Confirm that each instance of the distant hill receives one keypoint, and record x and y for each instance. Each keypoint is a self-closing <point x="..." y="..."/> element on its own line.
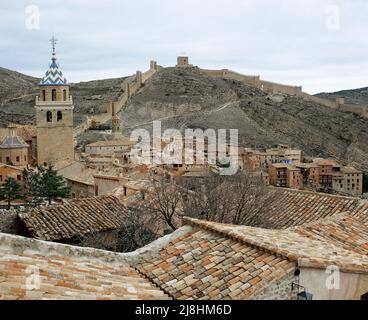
<point x="356" y="96"/>
<point x="18" y="93"/>
<point x="14" y="84"/>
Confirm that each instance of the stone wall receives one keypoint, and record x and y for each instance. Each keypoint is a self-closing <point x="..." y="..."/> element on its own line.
<point x="280" y="290"/>
<point x="273" y="87"/>
<point x="228" y="74"/>
<point x="131" y="85"/>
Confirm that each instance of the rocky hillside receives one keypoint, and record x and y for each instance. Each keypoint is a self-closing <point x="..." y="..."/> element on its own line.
<point x="185" y="98"/>
<point x="18" y="93"/>
<point x="357" y="96"/>
<point x="14" y="84"/>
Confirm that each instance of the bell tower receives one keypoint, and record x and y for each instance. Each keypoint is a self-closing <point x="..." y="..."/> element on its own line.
<point x="54" y="116"/>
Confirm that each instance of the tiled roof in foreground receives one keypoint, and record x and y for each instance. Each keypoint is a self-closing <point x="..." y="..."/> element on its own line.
<point x="202" y="260"/>
<point x="217" y="261"/>
<point x="74" y="218"/>
<point x="205" y="265"/>
<point x="285" y="208"/>
<point x="67" y="273"/>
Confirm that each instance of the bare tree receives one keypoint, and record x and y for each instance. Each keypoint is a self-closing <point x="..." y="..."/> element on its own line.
<point x="137" y="230"/>
<point x="226" y="199"/>
<point x="164" y="201"/>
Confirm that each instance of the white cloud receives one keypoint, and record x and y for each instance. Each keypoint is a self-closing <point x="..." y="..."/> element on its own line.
<point x="285" y="40"/>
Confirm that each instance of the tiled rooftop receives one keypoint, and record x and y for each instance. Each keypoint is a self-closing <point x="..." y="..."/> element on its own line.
<point x="202" y="260"/>
<point x="284" y="208"/>
<point x="205" y="265"/>
<point x="299" y="246"/>
<point x="217" y="261"/>
<point x="67" y="273"/>
<point x="342" y="230"/>
<point x="74" y="218"/>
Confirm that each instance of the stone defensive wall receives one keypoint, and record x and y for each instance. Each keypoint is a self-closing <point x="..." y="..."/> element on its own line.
<point x="339" y="104"/>
<point x="133" y="83"/>
<point x="255" y="81"/>
<point x="130" y="85"/>
<point x="274" y="88"/>
<point x="228" y="74"/>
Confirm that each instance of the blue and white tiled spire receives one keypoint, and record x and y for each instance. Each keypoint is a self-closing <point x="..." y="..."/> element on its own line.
<point x="54" y="75"/>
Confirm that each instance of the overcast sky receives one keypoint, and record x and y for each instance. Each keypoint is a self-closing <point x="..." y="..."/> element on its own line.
<point x="320" y="44"/>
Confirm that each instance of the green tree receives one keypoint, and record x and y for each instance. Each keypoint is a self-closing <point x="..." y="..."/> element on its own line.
<point x="10" y="190"/>
<point x="53" y="186"/>
<point x="32" y="184"/>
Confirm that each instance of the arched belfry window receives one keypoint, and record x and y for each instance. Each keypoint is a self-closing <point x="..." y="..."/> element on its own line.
<point x="43" y="95"/>
<point x="64" y="95"/>
<point x="53" y="95"/>
<point x="49" y="116"/>
<point x="59" y="116"/>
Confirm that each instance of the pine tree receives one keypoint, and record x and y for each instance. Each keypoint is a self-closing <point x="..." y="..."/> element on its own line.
<point x="32" y="183"/>
<point x="53" y="186"/>
<point x="10" y="190"/>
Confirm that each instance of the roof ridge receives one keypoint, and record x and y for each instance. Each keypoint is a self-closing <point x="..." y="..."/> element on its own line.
<point x="298" y="257"/>
<point x="212" y="226"/>
<point x="315" y="193"/>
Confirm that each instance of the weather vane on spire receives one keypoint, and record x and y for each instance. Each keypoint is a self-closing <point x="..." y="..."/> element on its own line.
<point x="53" y="41"/>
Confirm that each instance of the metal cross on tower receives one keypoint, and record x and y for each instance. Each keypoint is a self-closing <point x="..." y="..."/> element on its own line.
<point x="53" y="41"/>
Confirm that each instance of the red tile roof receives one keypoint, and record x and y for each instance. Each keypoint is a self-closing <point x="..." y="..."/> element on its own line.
<point x="67" y="273"/>
<point x="285" y="208"/>
<point x="74" y="218"/>
<point x="217" y="261"/>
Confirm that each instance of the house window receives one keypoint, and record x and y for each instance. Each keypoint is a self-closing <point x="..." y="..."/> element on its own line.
<point x="59" y="116"/>
<point x="43" y="95"/>
<point x="49" y="116"/>
<point x="53" y="95"/>
<point x="7" y="160"/>
<point x="17" y="158"/>
<point x="64" y="95"/>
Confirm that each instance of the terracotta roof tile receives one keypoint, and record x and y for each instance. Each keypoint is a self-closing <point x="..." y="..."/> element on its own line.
<point x="205" y="265"/>
<point x="67" y="273"/>
<point x="74" y="218"/>
<point x="285" y="208"/>
<point x="320" y="244"/>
